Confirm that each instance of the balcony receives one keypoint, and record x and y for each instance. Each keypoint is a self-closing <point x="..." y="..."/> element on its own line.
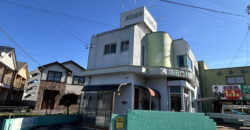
<point x="6" y="80"/>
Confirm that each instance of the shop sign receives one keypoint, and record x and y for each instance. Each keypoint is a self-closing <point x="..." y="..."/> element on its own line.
<point x="232" y="92"/>
<point x="177" y="73"/>
<point x="245" y="90"/>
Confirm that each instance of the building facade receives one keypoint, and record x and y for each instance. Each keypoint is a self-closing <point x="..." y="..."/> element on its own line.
<point x="49" y="82"/>
<point x="13" y="76"/>
<point x="31" y="89"/>
<point x="224" y="87"/>
<point x="136" y="67"/>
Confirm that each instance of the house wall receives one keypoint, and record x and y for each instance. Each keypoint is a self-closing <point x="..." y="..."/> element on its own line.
<point x="8" y="60"/>
<point x="76" y="71"/>
<point x="54" y="68"/>
<point x="23" y="72"/>
<point x="47" y="85"/>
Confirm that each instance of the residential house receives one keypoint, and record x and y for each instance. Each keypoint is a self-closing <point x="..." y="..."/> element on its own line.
<point x="13" y="76"/>
<point x="49" y="82"/>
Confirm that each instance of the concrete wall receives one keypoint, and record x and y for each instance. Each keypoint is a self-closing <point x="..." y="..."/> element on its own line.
<point x="97" y="58"/>
<point x="160" y="84"/>
<point x="139" y="40"/>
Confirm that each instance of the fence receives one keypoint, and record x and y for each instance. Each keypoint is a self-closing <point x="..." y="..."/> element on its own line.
<point x="32" y="122"/>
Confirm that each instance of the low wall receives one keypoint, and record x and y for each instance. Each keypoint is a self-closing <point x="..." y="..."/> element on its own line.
<point x="161" y="120"/>
<point x="31" y="122"/>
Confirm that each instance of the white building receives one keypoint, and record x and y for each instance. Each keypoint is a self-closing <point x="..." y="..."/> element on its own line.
<point x="134" y="65"/>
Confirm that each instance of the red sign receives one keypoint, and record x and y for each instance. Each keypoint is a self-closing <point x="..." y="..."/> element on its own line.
<point x="232" y="94"/>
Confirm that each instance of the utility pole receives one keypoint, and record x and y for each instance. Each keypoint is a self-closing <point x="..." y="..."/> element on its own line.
<point x="248" y="12"/>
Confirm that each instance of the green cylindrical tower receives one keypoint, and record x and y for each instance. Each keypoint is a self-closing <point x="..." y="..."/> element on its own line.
<point x="158" y="49"/>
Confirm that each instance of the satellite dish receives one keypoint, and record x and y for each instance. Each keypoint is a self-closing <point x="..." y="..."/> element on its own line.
<point x="3" y="54"/>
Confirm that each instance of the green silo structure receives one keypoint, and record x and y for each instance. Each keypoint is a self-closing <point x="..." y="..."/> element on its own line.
<point x="158" y="49"/>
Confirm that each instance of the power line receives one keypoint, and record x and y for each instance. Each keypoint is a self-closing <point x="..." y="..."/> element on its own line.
<point x="197" y="7"/>
<point x="220" y="18"/>
<point x="244" y="38"/>
<point x="79" y="37"/>
<point x="19" y="46"/>
<point x="57" y="13"/>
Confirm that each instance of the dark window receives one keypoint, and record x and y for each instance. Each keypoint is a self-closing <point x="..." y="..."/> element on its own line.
<point x="196" y="73"/>
<point x="107" y="49"/>
<point x="235" y="80"/>
<point x="124" y="46"/>
<point x="36" y="74"/>
<point x="184" y="61"/>
<point x="110" y="48"/>
<point x="189" y="63"/>
<point x="142" y="55"/>
<point x="180" y="61"/>
<point x="175" y="89"/>
<point x="77" y="80"/>
<point x="54" y="76"/>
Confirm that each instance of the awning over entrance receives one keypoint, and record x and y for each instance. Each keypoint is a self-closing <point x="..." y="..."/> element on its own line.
<point x="106" y="87"/>
<point x="152" y="92"/>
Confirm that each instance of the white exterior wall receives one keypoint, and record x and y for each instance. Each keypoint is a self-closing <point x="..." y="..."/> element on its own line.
<point x="54" y="68"/>
<point x="140" y="31"/>
<point x="76" y="71"/>
<point x="8" y="60"/>
<point x="97" y="59"/>
<point x="182" y="48"/>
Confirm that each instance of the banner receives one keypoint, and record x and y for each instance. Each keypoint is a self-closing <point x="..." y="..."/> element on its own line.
<point x="245" y="90"/>
<point x="232" y="92"/>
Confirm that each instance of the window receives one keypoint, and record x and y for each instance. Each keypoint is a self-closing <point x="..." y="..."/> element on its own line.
<point x="142" y="55"/>
<point x="124" y="46"/>
<point x="184" y="61"/>
<point x="54" y="76"/>
<point x="175" y="89"/>
<point x="36" y="74"/>
<point x="235" y="79"/>
<point x="77" y="80"/>
<point x="180" y="61"/>
<point x="189" y="63"/>
<point x="110" y="48"/>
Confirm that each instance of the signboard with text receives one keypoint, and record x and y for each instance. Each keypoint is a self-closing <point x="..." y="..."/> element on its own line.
<point x="232" y="92"/>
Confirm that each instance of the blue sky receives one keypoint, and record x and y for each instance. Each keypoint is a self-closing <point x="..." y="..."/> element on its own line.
<point x="47" y="37"/>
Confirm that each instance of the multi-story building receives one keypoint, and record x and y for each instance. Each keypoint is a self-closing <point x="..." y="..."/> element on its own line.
<point x="13" y="76"/>
<point x="49" y="82"/>
<point x="136" y="67"/>
<point x="224" y="88"/>
<point x="31" y="89"/>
